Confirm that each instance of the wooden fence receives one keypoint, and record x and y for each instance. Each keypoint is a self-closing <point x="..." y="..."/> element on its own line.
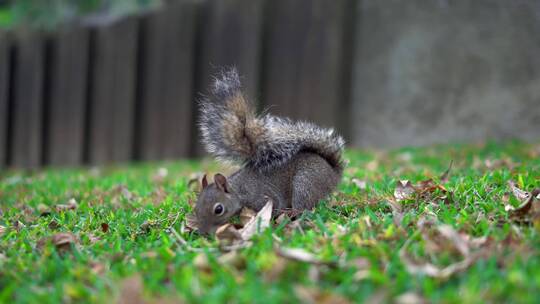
<point x="116" y="90"/>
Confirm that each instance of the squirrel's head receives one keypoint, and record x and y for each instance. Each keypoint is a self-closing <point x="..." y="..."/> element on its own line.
<point x="216" y="204"/>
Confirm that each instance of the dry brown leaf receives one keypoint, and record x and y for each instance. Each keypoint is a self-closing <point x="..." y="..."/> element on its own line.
<point x="131" y="291"/>
<point x="372" y="165"/>
<point x="461" y="243"/>
<point x="63" y="241"/>
<point x="43" y="210"/>
<point x="397" y="211"/>
<point x="18" y="225"/>
<point x="282" y="218"/>
<point x="431" y="270"/>
<point x="275" y="272"/>
<point x="92" y="238"/>
<point x="404" y="190"/>
<point x="53" y="225"/>
<point x="521" y="195"/>
<point x="229" y="233"/>
<point x="362" y="266"/>
<point x="300" y="255"/>
<point x="527" y="206"/>
<point x="233" y="259"/>
<point x="104" y="227"/>
<point x="70" y="205"/>
<point x="97" y="268"/>
<point x="149" y="255"/>
<point x="527" y="199"/>
<point x="158" y="196"/>
<point x="258" y="223"/>
<point x="246" y="215"/>
<point x="361" y="184"/>
<point x="410" y="298"/>
<point x="2" y="230"/>
<point x="457" y="239"/>
<point x="201" y="262"/>
<point x="315" y="295"/>
<point x="160" y="175"/>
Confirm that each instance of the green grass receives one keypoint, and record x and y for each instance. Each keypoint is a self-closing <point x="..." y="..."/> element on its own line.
<point x="142" y="211"/>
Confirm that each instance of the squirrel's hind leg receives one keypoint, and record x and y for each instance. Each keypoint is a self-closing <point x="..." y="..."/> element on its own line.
<point x="313" y="180"/>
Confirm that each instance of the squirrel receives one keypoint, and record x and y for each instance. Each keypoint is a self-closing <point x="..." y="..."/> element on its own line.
<point x="295" y="164"/>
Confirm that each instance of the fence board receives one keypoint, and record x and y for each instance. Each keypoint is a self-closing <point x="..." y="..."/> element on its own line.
<point x="5" y="65"/>
<point x="303" y="70"/>
<point x="166" y="82"/>
<point x="231" y="36"/>
<point x="67" y="96"/>
<point x="26" y="145"/>
<point x="112" y="97"/>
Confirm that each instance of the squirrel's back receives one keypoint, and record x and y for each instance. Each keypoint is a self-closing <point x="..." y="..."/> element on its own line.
<point x="232" y="131"/>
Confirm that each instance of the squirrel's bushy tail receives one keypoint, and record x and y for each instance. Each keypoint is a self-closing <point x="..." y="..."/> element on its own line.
<point x="232" y="131"/>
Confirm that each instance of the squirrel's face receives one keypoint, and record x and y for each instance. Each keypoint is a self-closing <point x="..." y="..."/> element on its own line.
<point x="216" y="204"/>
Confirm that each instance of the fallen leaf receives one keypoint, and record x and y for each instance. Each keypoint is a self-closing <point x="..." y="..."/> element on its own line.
<point x="233" y="259"/>
<point x="131" y="291"/>
<point x="410" y="298"/>
<point x="258" y="223"/>
<point x="275" y="272"/>
<point x="105" y="227"/>
<point x="160" y="175"/>
<point x="158" y="196"/>
<point x="397" y="211"/>
<point x="433" y="271"/>
<point x="361" y="184"/>
<point x="315" y="295"/>
<point x="380" y="296"/>
<point x="201" y="262"/>
<point x="372" y="165"/>
<point x="18" y="225"/>
<point x="282" y="218"/>
<point x="97" y="268"/>
<point x="63" y="241"/>
<point x="299" y="255"/>
<point x="446" y="236"/>
<point x="126" y="193"/>
<point x="246" y="215"/>
<point x="521" y="195"/>
<point x="2" y="230"/>
<point x="229" y="233"/>
<point x="53" y="225"/>
<point x="425" y="186"/>
<point x="92" y="238"/>
<point x="70" y="205"/>
<point x="527" y="206"/>
<point x="362" y="266"/>
<point x="404" y="190"/>
<point x="149" y="254"/>
<point x="455" y="238"/>
<point x="43" y="210"/>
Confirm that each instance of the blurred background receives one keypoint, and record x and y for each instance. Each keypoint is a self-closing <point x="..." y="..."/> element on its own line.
<point x="103" y="81"/>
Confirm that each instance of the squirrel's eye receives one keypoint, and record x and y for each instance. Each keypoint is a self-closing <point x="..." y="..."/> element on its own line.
<point x="219" y="209"/>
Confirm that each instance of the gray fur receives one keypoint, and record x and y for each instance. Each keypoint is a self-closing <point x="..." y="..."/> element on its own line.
<point x="296" y="164"/>
<point x="279" y="141"/>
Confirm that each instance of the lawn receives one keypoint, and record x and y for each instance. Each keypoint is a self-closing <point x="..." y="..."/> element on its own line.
<point x="119" y="234"/>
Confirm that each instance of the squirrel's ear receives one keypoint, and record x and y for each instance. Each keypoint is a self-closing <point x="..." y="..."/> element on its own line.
<point x="204" y="182"/>
<point x="221" y="182"/>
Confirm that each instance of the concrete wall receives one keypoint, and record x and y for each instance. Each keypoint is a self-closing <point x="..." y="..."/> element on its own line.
<point x="438" y="71"/>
